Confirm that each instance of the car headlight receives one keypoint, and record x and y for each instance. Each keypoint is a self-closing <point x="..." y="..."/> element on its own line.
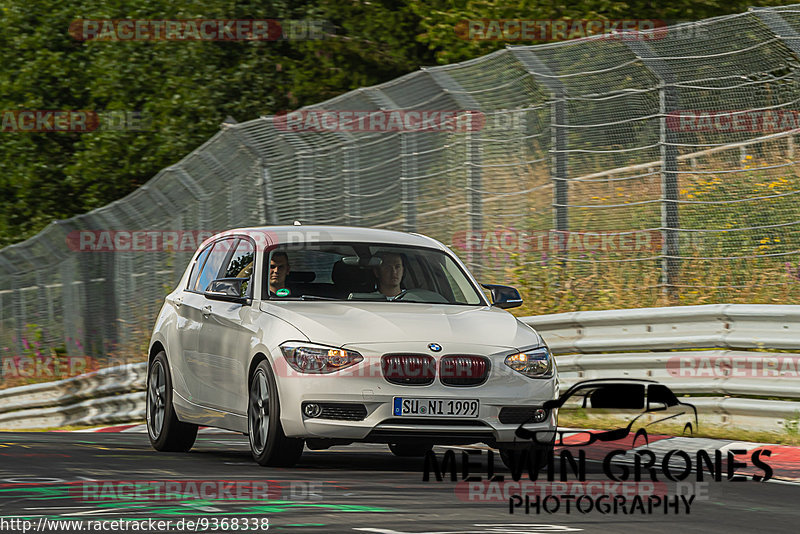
<point x="535" y="363"/>
<point x="318" y="359"/>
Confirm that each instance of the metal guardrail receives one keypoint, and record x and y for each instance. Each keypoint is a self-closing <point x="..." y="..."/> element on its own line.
<point x="682" y="347"/>
<point x="652" y="343"/>
<point x="111" y="395"/>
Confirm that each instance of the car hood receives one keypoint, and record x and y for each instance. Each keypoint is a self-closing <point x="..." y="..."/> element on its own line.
<point x="348" y="323"/>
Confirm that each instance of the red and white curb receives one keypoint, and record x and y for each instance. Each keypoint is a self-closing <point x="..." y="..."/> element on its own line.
<point x="142" y="429"/>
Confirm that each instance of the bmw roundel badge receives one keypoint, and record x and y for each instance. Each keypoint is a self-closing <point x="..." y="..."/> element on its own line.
<point x="435" y="347"/>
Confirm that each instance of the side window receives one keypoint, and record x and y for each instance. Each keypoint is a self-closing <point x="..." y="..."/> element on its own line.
<point x="213" y="264"/>
<point x="241" y="263"/>
<point x="201" y="259"/>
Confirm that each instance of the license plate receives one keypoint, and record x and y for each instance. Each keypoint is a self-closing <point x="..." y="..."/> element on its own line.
<point x="416" y="407"/>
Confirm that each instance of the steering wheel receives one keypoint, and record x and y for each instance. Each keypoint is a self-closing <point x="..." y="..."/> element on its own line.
<point x="399" y="295"/>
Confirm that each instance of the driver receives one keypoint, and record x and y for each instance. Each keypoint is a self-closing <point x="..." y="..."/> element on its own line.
<point x="389" y="274"/>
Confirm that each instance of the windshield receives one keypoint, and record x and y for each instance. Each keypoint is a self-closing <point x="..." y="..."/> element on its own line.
<point x="366" y="272"/>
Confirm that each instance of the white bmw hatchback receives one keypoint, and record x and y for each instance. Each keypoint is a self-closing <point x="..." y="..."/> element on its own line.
<point x="323" y="336"/>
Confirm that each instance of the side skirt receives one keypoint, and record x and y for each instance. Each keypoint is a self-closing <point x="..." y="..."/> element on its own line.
<point x="189" y="412"/>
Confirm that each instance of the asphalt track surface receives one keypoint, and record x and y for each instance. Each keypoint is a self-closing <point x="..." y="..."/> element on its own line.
<point x="359" y="488"/>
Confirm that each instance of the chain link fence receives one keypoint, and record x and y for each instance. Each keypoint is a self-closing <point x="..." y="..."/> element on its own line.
<point x="630" y="170"/>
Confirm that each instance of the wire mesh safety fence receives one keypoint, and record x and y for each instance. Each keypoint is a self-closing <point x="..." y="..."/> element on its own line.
<point x="630" y="170"/>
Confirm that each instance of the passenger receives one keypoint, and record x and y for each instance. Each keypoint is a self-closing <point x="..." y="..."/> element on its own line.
<point x="278" y="269"/>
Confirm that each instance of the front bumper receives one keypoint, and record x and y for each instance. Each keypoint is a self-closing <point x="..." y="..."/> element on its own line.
<point x="364" y="384"/>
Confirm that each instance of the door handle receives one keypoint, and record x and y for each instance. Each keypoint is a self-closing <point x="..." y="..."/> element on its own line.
<point x="206" y="311"/>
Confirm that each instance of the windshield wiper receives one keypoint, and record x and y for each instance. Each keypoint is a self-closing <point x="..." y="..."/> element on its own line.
<point x="316" y="297"/>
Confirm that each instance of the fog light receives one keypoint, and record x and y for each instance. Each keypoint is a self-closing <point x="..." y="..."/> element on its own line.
<point x="312" y="410"/>
<point x="539" y="415"/>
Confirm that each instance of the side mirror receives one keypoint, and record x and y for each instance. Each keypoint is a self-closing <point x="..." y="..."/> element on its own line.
<point x="504" y="296"/>
<point x="227" y="289"/>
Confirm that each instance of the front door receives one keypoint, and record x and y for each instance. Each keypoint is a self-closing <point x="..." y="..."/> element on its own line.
<point x="224" y="336"/>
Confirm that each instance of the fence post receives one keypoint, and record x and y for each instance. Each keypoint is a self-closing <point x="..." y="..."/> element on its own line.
<point x="350" y="159"/>
<point x="669" y="195"/>
<point x="558" y="134"/>
<point x="473" y="160"/>
<point x="558" y="122"/>
<point x="408" y="180"/>
<point x="670" y="222"/>
<point x="771" y="17"/>
<point x="474" y="200"/>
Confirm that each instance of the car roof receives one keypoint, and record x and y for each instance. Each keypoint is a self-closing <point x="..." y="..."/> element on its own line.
<point x="293" y="234"/>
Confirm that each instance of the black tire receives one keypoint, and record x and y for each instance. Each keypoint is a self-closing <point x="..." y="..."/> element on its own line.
<point x="165" y="431"/>
<point x="512" y="454"/>
<point x="268" y="444"/>
<point x="410" y="450"/>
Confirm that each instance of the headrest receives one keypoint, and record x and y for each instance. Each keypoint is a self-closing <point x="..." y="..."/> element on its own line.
<point x="351" y="275"/>
<point x="300" y="277"/>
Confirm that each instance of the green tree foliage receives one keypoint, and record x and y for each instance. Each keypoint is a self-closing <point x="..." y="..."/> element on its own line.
<point x="439" y="17"/>
<point x="188" y="88"/>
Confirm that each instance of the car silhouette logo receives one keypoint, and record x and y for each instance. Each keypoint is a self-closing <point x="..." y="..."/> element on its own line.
<point x="435" y="347"/>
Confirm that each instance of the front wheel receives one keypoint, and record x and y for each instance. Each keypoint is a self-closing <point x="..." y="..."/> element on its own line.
<point x="268" y="444"/>
<point x="165" y="431"/>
